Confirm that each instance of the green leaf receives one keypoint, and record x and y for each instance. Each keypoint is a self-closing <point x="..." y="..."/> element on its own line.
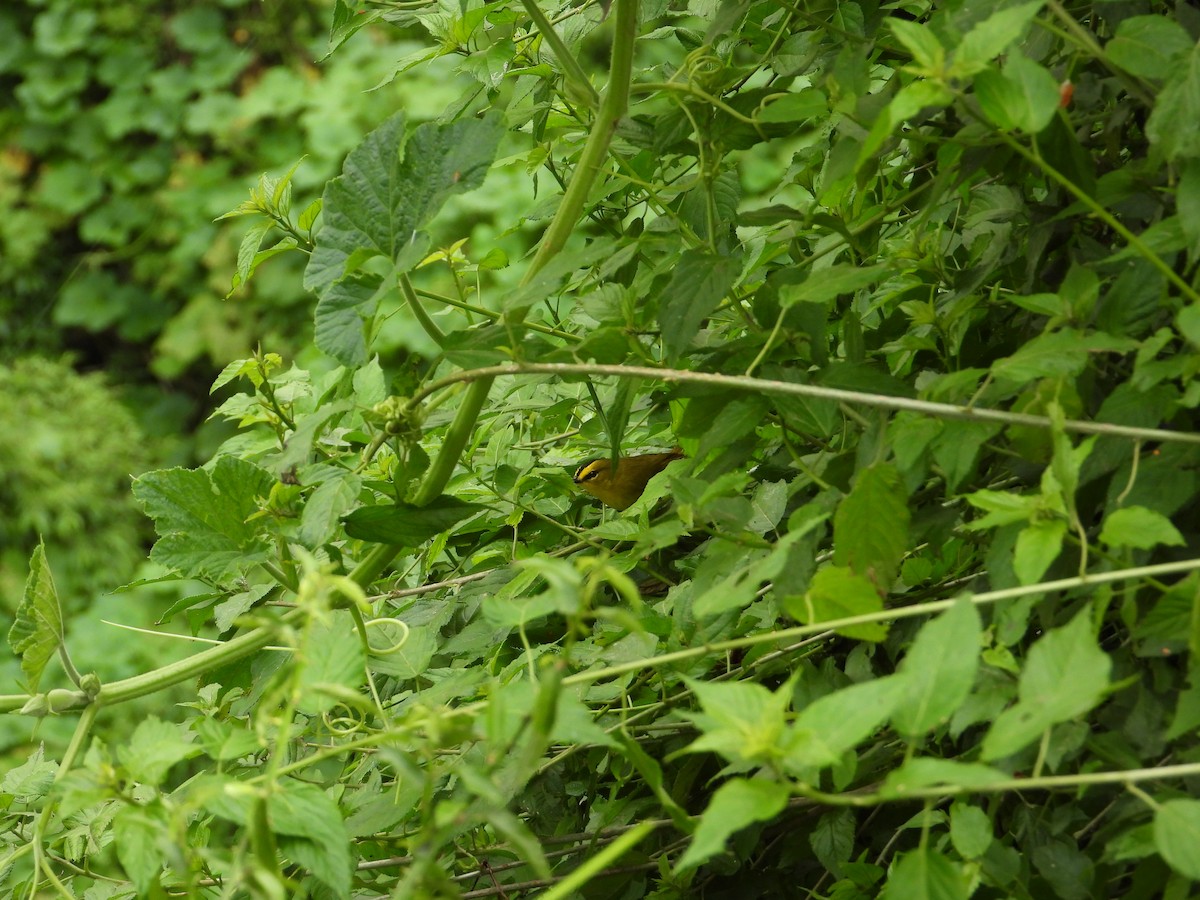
<point x="939" y="681"/>
<point x="136" y="833"/>
<point x="391" y="187"/>
<point x="832" y="840"/>
<point x="734" y="805"/>
<point x="837" y="722"/>
<point x="1177" y="835"/>
<point x="31" y="781"/>
<point x="924" y="874"/>
<point x="919" y="40"/>
<point x="405" y="524"/>
<point x="305" y="811"/>
<point x="37" y="630"/>
<point x="806" y="104"/>
<point x="1047" y="356"/>
<point x="970" y="830"/>
<point x="341" y="316"/>
<point x="698" y="283"/>
<point x="1140" y="528"/>
<point x="1147" y="46"/>
<point x="1174" y="124"/>
<point x="330" y="656"/>
<point x="1024" y="97"/>
<point x="741" y="721"/>
<point x="1002" y="508"/>
<point x="837" y="593"/>
<point x="202" y="517"/>
<point x="825" y="285"/>
<point x="1065" y="676"/>
<point x="870" y="528"/>
<point x="153" y="748"/>
<point x="1038" y="546"/>
<point x="991" y="37"/>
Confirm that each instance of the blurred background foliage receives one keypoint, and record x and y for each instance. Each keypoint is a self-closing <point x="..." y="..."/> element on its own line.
<point x="129" y="127"/>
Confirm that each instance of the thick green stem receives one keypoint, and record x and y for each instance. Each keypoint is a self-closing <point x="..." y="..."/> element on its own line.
<point x="439" y="473"/>
<point x="192" y="667"/>
<point x="612" y="108"/>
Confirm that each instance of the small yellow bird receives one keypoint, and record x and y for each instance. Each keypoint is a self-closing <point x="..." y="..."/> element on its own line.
<point x="620" y="487"/>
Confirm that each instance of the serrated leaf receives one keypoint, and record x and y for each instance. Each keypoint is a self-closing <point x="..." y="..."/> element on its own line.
<point x="305" y="811"/>
<point x="153" y="748"/>
<point x="870" y="528"/>
<point x="698" y="283"/>
<point x="837" y="593"/>
<point x="924" y="874"/>
<point x="970" y="830"/>
<point x="1140" y="528"/>
<point x="1038" y="546"/>
<point x="1174" y="125"/>
<point x="202" y="517"/>
<point x="837" y="722"/>
<point x="248" y="248"/>
<point x="1147" y="45"/>
<point x="340" y="318"/>
<point x="37" y="630"/>
<point x="331" y="655"/>
<point x="939" y="681"/>
<point x="391" y="187"/>
<point x="832" y="840"/>
<point x="921" y="41"/>
<point x="826" y="285"/>
<point x="1023" y="97"/>
<point x="734" y="805"/>
<point x="136" y="833"/>
<point x="31" y="780"/>
<point x="991" y="37"/>
<point x="1065" y="676"/>
<point x="407" y="525"/>
<point x="1177" y="835"/>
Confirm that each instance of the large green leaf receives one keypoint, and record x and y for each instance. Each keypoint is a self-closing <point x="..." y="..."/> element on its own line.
<point x="203" y="517"/>
<point x="1065" y="676"/>
<point x="939" y="669"/>
<point x="870" y="528"/>
<point x="390" y="187"/>
<point x="407" y="525"/>
<point x="698" y="283"/>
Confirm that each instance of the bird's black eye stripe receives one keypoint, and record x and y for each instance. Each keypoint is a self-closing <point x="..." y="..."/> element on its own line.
<point x="587" y="471"/>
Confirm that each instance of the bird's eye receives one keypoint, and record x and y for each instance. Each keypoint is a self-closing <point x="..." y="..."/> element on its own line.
<point x="587" y="472"/>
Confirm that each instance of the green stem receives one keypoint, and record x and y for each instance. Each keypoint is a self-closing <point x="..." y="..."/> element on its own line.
<point x="439" y="473"/>
<point x="495" y="316"/>
<point x="612" y="109"/>
<point x="418" y="311"/>
<point x="1105" y="216"/>
<point x="887" y="615"/>
<point x="572" y="72"/>
<point x="229" y="652"/>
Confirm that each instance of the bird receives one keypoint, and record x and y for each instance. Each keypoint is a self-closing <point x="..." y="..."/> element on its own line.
<point x="620" y="487"/>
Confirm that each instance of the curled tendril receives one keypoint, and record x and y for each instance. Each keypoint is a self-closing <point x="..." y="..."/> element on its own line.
<point x="702" y="65"/>
<point x="345" y="725"/>
<point x="394" y="648"/>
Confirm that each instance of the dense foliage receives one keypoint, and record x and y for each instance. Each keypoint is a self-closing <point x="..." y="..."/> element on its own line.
<point x="912" y="287"/>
